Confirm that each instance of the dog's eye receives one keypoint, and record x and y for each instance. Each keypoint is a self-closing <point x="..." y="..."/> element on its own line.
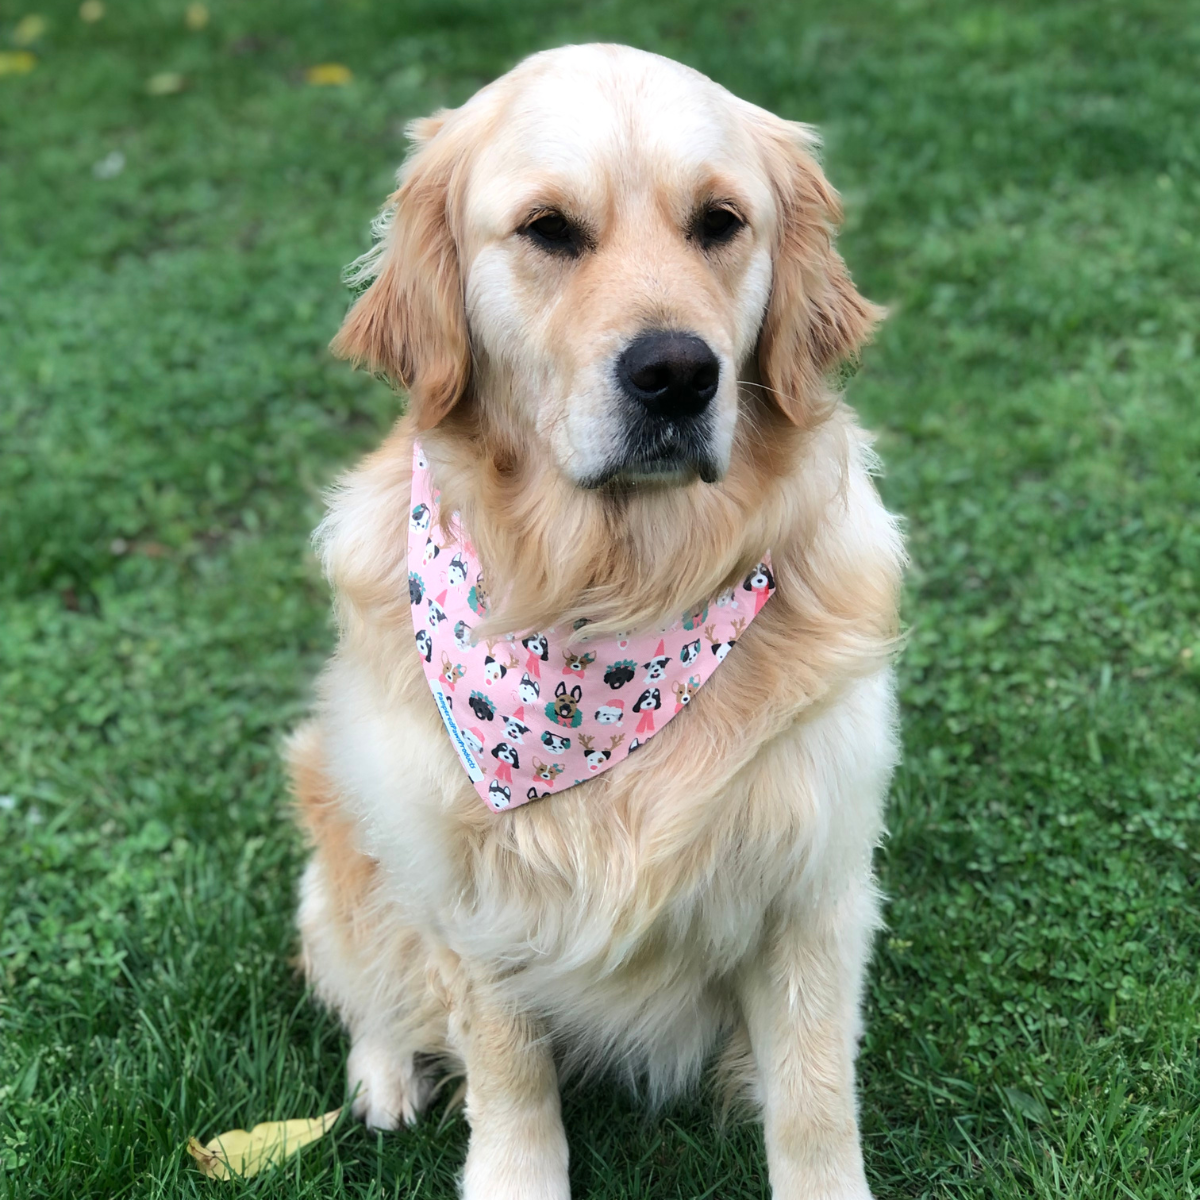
<point x="718" y="224"/>
<point x="552" y="231"/>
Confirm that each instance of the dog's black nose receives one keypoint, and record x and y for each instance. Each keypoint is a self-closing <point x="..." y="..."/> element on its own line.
<point x="674" y="375"/>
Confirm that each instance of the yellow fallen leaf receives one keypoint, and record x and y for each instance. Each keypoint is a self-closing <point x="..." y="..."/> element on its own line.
<point x="328" y="75"/>
<point x="91" y="11"/>
<point x="29" y="29"/>
<point x="196" y="16"/>
<point x="165" y="83"/>
<point x="16" y="62"/>
<point x="240" y="1153"/>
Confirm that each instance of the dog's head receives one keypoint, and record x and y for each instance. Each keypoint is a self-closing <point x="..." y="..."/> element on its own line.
<point x="609" y="248"/>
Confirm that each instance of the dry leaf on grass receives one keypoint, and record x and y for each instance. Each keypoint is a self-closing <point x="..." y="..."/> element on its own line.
<point x="16" y="62"/>
<point x="238" y="1153"/>
<point x="328" y="75"/>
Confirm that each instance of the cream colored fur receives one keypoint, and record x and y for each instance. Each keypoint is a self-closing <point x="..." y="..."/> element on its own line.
<point x="715" y="890"/>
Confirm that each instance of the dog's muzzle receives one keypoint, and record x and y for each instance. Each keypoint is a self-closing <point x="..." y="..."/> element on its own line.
<point x="668" y="381"/>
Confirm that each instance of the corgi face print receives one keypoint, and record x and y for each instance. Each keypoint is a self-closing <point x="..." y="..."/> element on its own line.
<point x="477" y="596"/>
<point x="554" y="743"/>
<point x="506" y="753"/>
<point x="457" y="573"/>
<point x="481" y="706"/>
<point x="564" y="708"/>
<point x="537" y="645"/>
<point x="577" y="662"/>
<point x="689" y="653"/>
<point x="514" y="730"/>
<point x="656" y="668"/>
<point x="425" y="645"/>
<point x="462" y="635"/>
<point x="420" y="517"/>
<point x="547" y="772"/>
<point x="416" y="588"/>
<point x="651" y="698"/>
<point x="610" y="714"/>
<point x="499" y="795"/>
<point x="528" y="689"/>
<point x="620" y="673"/>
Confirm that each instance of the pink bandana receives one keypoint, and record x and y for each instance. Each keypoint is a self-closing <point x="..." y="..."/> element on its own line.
<point x="538" y="714"/>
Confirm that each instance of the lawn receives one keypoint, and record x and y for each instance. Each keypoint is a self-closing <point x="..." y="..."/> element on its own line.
<point x="1022" y="185"/>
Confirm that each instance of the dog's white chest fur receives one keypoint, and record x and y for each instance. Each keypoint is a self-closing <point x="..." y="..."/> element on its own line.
<point x="626" y="956"/>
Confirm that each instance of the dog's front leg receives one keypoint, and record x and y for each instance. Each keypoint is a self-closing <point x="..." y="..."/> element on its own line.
<point x="800" y="999"/>
<point x="518" y="1148"/>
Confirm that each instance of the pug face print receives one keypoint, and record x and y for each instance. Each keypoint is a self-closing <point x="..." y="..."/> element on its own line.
<point x="554" y="742"/>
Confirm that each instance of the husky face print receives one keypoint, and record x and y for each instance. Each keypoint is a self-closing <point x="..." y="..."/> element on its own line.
<point x="651" y="698"/>
<point x="481" y="706"/>
<point x="554" y="743"/>
<point x="425" y="645"/>
<point x="656" y="668"/>
<point x="506" y="754"/>
<point x="564" y="708"/>
<point x="462" y="635"/>
<point x="499" y="795"/>
<point x="528" y="689"/>
<point x="620" y="673"/>
<point x="514" y="730"/>
<point x="537" y="645"/>
<point x="416" y="588"/>
<point x="457" y="573"/>
<point x="690" y="652"/>
<point x="420" y="517"/>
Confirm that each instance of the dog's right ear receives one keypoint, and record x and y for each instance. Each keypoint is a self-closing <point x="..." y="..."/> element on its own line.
<point x="410" y="324"/>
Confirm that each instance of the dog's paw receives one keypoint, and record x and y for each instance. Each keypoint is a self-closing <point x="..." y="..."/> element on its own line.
<point x="386" y="1086"/>
<point x="525" y="1164"/>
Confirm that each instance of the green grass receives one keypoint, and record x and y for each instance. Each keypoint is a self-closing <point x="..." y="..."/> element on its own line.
<point x="1022" y="188"/>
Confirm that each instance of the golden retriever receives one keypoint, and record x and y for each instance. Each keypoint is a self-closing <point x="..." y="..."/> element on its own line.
<point x="712" y="896"/>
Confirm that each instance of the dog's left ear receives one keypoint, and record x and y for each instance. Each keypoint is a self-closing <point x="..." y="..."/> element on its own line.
<point x="816" y="319"/>
<point x="410" y="324"/>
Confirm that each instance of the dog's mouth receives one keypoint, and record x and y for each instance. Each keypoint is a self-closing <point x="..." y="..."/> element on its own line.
<point x="661" y="453"/>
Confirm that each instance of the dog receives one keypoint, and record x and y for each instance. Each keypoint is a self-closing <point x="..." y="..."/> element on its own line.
<point x="611" y="291"/>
